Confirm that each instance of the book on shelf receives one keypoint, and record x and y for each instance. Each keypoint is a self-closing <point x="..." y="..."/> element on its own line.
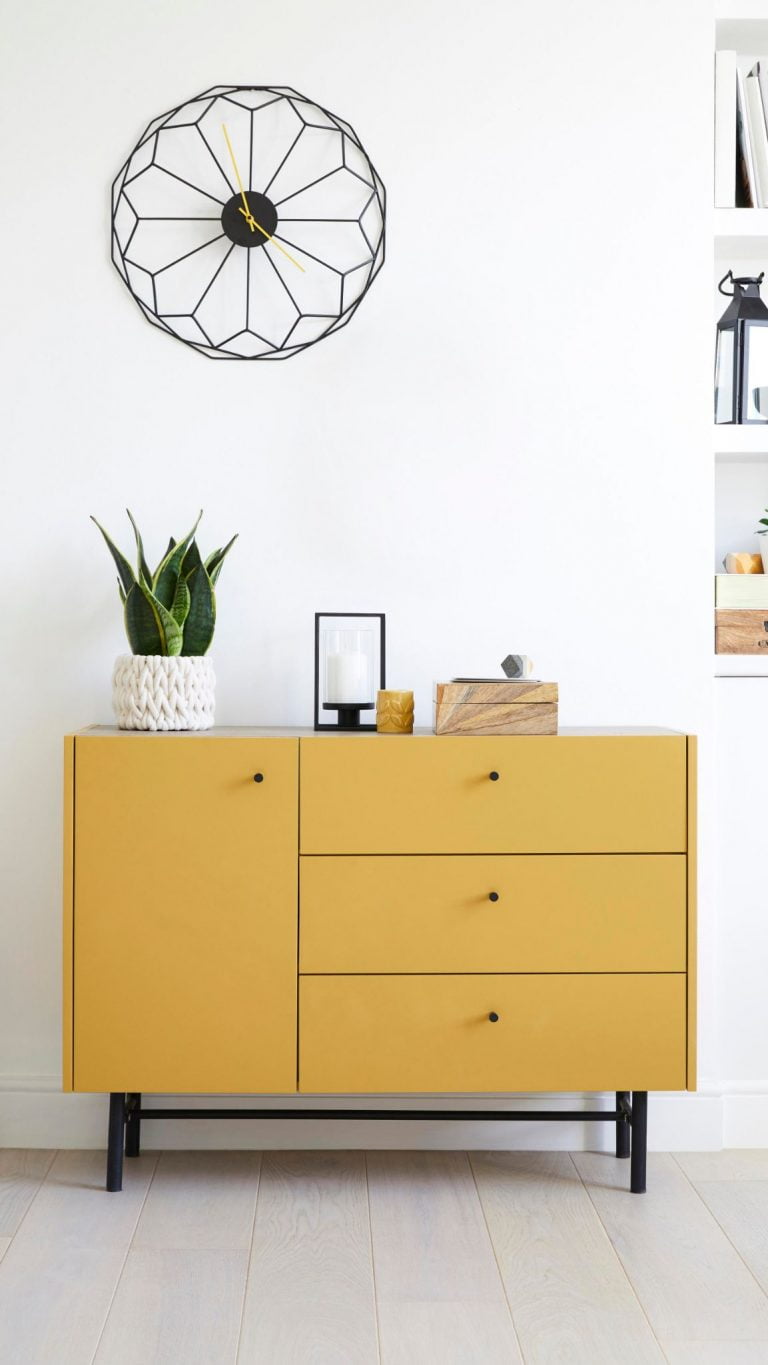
<point x="746" y="182"/>
<point x="758" y="133"/>
<point x="741" y="131"/>
<point x="748" y="591"/>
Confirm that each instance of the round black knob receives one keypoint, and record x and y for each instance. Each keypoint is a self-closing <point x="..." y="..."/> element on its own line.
<point x="493" y="895"/>
<point x="493" y="1016"/>
<point x="258" y="777"/>
<point x="494" y="776"/>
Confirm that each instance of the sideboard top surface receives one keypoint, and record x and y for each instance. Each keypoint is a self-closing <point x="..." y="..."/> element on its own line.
<point x="299" y="732"/>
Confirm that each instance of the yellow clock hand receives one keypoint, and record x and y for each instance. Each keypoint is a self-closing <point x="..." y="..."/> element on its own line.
<point x="248" y="216"/>
<point x="253" y="224"/>
<point x="250" y="220"/>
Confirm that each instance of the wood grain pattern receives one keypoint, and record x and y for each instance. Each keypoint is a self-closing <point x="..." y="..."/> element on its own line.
<point x="741" y="631"/>
<point x="176" y="1306"/>
<point x="510" y="691"/>
<point x="310" y="1293"/>
<point x="741" y="1209"/>
<point x="58" y="1276"/>
<point x="495" y="718"/>
<point x="439" y="1292"/>
<point x="21" y="1175"/>
<point x="690" y="1281"/>
<point x="744" y="1163"/>
<point x="200" y="1201"/>
<point x="570" y="1298"/>
<point x="716" y="1353"/>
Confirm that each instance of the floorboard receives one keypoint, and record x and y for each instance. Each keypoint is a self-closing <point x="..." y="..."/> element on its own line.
<point x="568" y="1292"/>
<point x="737" y="1164"/>
<point x="176" y="1306"/>
<point x="59" y="1274"/>
<point x="741" y="1209"/>
<point x="310" y="1295"/>
<point x="690" y="1281"/>
<point x="717" y="1353"/>
<point x="438" y="1287"/>
<point x="200" y="1201"/>
<point x="21" y="1175"/>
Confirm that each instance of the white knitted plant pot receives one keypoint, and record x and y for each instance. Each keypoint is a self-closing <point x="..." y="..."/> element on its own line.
<point x="153" y="692"/>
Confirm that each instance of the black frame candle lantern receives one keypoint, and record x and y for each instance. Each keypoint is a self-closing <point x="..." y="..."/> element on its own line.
<point x="741" y="366"/>
<point x="350" y="666"/>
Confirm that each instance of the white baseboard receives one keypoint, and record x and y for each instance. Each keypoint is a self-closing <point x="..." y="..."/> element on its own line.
<point x="34" y="1113"/>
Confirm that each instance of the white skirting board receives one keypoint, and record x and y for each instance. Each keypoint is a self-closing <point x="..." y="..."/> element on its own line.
<point x="34" y="1113"/>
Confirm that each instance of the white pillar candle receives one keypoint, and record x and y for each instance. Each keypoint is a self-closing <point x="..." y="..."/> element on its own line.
<point x="347" y="677"/>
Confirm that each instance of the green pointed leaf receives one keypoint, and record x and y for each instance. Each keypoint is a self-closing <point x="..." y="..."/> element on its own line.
<point x="127" y="576"/>
<point x="180" y="605"/>
<point x="121" y="592"/>
<point x="171" y="544"/>
<point x="165" y="579"/>
<point x="142" y="622"/>
<point x="201" y="619"/>
<point x="214" y="562"/>
<point x="191" y="560"/>
<point x="142" y="563"/>
<point x="174" y="635"/>
<point x="150" y="627"/>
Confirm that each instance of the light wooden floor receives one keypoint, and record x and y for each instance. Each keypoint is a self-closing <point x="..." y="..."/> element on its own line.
<point x="405" y="1258"/>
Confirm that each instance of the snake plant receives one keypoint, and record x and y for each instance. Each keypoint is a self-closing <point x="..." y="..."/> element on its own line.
<point x="173" y="610"/>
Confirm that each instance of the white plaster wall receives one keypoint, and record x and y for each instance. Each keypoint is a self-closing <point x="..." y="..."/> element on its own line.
<point x="508" y="448"/>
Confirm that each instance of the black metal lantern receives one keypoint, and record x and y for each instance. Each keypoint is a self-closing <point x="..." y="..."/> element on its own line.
<point x="349" y="667"/>
<point x="741" y="365"/>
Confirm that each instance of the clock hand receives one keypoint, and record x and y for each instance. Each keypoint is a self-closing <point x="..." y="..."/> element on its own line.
<point x="246" y="212"/>
<point x="250" y="220"/>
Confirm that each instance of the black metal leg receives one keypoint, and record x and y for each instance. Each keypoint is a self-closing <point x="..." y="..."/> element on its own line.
<point x="639" y="1141"/>
<point x="132" y="1125"/>
<point x="115" y="1142"/>
<point x="622" y="1125"/>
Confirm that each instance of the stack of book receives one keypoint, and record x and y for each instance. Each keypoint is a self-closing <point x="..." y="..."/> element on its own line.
<point x="741" y="613"/>
<point x="741" y="131"/>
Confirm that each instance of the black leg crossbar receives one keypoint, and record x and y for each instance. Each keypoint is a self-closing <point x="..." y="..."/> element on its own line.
<point x="630" y="1117"/>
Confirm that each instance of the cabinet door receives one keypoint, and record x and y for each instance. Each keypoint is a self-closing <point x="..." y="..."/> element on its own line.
<point x="506" y="794"/>
<point x="185" y="921"/>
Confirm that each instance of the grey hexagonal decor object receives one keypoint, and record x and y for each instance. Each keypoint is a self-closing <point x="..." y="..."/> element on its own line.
<point x="188" y="238"/>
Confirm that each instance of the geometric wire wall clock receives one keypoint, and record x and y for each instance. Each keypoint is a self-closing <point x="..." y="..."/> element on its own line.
<point x="248" y="222"/>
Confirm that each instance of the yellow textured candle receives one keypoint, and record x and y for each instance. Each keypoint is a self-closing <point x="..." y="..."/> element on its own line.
<point x="394" y="713"/>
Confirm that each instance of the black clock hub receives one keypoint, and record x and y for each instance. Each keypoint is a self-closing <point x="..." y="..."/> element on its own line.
<point x="235" y="223"/>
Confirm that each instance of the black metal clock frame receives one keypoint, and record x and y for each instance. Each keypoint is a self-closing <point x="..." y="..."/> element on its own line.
<point x="336" y="321"/>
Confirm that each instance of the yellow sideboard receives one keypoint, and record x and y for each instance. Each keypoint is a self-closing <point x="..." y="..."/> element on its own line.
<point x="283" y="912"/>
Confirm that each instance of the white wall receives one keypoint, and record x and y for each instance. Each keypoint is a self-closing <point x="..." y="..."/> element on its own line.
<point x="508" y="448"/>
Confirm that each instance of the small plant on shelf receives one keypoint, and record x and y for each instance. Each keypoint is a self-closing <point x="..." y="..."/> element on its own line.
<point x="167" y="683"/>
<point x="173" y="610"/>
<point x="762" y="525"/>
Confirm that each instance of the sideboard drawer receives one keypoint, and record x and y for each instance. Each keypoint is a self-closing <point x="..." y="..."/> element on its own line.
<point x="551" y="794"/>
<point x="614" y="912"/>
<point x="393" y="1034"/>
